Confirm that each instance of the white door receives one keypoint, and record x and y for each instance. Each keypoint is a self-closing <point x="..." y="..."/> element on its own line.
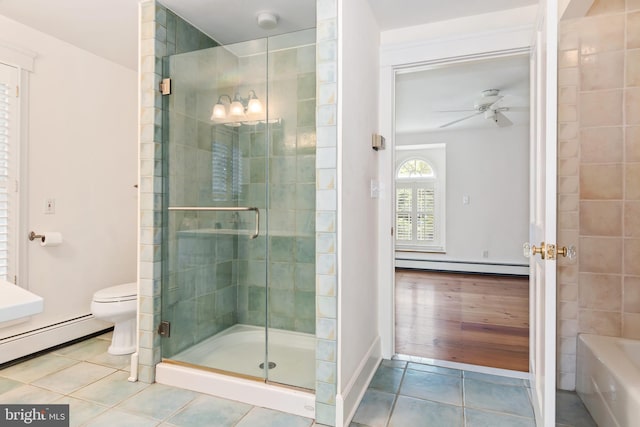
<point x="542" y="231"/>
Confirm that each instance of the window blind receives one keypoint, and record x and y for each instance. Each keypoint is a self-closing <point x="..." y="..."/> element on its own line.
<point x="8" y="171"/>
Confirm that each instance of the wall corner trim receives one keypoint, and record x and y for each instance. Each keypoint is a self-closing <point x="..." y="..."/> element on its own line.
<point x="17" y="56"/>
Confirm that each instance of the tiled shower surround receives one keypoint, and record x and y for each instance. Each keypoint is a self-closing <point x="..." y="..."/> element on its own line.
<point x="599" y="177"/>
<point x="155" y="44"/>
<point x="162" y="33"/>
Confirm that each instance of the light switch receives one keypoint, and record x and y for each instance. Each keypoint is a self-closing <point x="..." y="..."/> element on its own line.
<point x="375" y="189"/>
<point x="466" y="199"/>
<point x="50" y="206"/>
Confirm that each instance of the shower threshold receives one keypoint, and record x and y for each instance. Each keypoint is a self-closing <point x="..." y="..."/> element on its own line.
<point x="239" y="350"/>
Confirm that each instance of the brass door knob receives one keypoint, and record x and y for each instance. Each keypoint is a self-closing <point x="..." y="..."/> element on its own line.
<point x="539" y="250"/>
<point x="528" y="250"/>
<point x="569" y="252"/>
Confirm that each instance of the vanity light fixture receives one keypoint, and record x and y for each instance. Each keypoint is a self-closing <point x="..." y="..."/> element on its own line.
<point x="237" y="109"/>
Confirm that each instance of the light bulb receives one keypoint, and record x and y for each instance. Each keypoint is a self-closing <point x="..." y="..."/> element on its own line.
<point x="236" y="109"/>
<point x="255" y="106"/>
<point x="219" y="112"/>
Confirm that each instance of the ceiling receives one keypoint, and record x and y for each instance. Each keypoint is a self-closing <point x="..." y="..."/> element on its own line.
<point x="422" y="96"/>
<point x="238" y="23"/>
<point x="110" y="28"/>
<point x="404" y="13"/>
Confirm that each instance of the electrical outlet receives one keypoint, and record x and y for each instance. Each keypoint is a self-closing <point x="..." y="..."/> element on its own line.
<point x="466" y="199"/>
<point x="50" y="206"/>
<point x="485" y="254"/>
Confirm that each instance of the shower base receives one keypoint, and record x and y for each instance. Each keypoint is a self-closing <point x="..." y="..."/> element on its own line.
<point x="239" y="350"/>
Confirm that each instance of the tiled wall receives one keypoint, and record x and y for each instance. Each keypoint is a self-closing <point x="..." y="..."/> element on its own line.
<point x="599" y="177"/>
<point x="162" y="33"/>
<point x="199" y="263"/>
<point x="326" y="211"/>
<point x="287" y="166"/>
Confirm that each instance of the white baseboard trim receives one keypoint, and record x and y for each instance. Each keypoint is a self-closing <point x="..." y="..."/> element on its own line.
<point x="347" y="401"/>
<point x="30" y="342"/>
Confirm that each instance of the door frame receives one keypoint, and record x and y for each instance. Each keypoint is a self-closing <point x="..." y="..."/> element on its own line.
<point x="393" y="59"/>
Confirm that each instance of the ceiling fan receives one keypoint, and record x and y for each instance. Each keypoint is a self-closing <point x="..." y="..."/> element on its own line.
<point x="487" y="104"/>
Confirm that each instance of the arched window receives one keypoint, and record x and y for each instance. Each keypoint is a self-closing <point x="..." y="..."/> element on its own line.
<point x="415" y="168"/>
<point x="419" y="209"/>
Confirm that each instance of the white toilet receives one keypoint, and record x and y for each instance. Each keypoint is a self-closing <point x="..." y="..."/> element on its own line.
<point x="118" y="304"/>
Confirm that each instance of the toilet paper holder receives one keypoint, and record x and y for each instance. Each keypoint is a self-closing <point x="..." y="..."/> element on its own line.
<point x="48" y="238"/>
<point x="33" y="236"/>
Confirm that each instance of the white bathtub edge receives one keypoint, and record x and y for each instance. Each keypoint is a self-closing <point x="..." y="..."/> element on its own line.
<point x="607" y="381"/>
<point x="242" y="390"/>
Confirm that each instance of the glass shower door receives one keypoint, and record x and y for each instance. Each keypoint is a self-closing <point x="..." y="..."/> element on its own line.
<point x="214" y="252"/>
<point x="239" y="153"/>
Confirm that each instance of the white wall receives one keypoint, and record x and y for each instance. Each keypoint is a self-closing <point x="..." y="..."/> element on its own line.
<point x="357" y="166"/>
<point x="82" y="142"/>
<point x="491" y="166"/>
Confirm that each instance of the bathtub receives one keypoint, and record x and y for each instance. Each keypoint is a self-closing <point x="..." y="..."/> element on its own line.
<point x="608" y="379"/>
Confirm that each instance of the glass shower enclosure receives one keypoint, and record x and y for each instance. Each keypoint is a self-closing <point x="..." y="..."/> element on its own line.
<point x="238" y="288"/>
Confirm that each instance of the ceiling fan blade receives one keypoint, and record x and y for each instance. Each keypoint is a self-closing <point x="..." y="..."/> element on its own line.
<point x="455" y="111"/>
<point x="459" y="120"/>
<point x="502" y="120"/>
<point x="514" y="109"/>
<point x="495" y="106"/>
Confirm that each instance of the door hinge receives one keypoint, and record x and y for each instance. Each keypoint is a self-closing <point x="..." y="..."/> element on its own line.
<point x="17" y="91"/>
<point x="15" y="280"/>
<point x="165" y="87"/>
<point x="392" y="231"/>
<point x="164" y="329"/>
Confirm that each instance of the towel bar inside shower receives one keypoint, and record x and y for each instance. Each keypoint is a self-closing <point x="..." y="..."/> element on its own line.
<point x="222" y="209"/>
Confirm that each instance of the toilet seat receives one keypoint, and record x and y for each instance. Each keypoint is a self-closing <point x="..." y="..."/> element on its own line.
<point x="118" y="293"/>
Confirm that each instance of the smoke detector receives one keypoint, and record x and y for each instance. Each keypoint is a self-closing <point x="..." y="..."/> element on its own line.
<point x="267" y="20"/>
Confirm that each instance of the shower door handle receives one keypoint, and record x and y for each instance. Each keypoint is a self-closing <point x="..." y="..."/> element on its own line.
<point x="222" y="209"/>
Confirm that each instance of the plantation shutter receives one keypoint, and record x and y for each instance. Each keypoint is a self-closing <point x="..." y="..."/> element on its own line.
<point x="404" y="214"/>
<point x="426" y="214"/>
<point x="8" y="171"/>
<point x="416" y="213"/>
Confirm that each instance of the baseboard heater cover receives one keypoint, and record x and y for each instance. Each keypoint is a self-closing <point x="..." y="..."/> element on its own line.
<point x="34" y="341"/>
<point x="463" y="266"/>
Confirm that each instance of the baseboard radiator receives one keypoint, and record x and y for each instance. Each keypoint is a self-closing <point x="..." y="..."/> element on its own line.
<point x="462" y="266"/>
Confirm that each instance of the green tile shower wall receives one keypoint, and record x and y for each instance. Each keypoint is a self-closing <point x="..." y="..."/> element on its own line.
<point x="282" y="155"/>
<point x="162" y="33"/>
<point x="200" y="268"/>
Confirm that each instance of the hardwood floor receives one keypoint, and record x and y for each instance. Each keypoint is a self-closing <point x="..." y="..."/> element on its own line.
<point x="468" y="318"/>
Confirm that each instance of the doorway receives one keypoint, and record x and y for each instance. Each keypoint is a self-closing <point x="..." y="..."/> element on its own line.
<point x="461" y="212"/>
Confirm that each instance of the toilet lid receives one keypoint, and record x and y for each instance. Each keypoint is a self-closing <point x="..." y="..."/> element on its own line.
<point x="125" y="292"/>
